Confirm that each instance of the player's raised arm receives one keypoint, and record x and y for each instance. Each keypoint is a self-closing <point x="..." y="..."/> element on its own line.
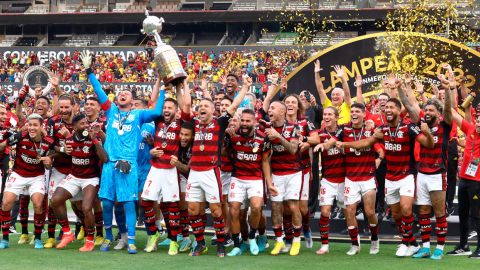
<point x="87" y="60"/>
<point x="341" y="74"/>
<point x="318" y="83"/>
<point x="156" y="91"/>
<point x="149" y="115"/>
<point x="247" y="82"/>
<point x="407" y="103"/>
<point x="270" y="93"/>
<point x="187" y="98"/>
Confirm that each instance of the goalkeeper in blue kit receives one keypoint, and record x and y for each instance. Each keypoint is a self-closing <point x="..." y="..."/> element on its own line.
<point x="120" y="174"/>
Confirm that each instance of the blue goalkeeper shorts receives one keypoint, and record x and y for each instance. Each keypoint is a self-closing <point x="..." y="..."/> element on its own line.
<point x="119" y="186"/>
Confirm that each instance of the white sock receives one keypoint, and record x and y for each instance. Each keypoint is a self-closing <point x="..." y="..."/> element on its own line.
<point x="158" y="223"/>
<point x="280" y="239"/>
<point x="325" y="245"/>
<point x="427" y="245"/>
<point x="440" y="247"/>
<point x="296" y="239"/>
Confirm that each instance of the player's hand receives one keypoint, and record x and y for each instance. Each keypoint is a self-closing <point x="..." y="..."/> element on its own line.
<point x="369" y="125"/>
<point x="273" y="191"/>
<point x="272" y="134"/>
<point x="446" y="84"/>
<point x="123" y="166"/>
<point x="441" y="77"/>
<point x="462" y="80"/>
<point x="68" y="149"/>
<point x="223" y="80"/>
<point x="24" y="128"/>
<point x="86" y="58"/>
<point x="340" y="145"/>
<point x="451" y="80"/>
<point x="204" y="84"/>
<point x="38" y="91"/>
<point x="263" y="123"/>
<point x="391" y="80"/>
<point x="339" y="71"/>
<point x="454" y="139"/>
<point x="436" y="92"/>
<point x="230" y="131"/>
<point x="274" y="78"/>
<point x="284" y="86"/>
<point x="424" y="128"/>
<point x="149" y="139"/>
<point x="317" y="66"/>
<point x="408" y="77"/>
<point x="386" y="85"/>
<point x="47" y="161"/>
<point x="418" y="86"/>
<point x="174" y="161"/>
<point x="22" y="92"/>
<point x="91" y="132"/>
<point x="313" y="101"/>
<point x="96" y="127"/>
<point x="303" y="146"/>
<point x="378" y="134"/>
<point x="247" y="81"/>
<point x="64" y="131"/>
<point x="358" y="80"/>
<point x="43" y="131"/>
<point x="447" y="67"/>
<point x="55" y="80"/>
<point x="318" y="147"/>
<point x="156" y="152"/>
<point x="377" y="162"/>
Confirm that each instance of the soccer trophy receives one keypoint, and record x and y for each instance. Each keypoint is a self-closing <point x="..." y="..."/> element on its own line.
<point x="166" y="58"/>
<point x="37" y="76"/>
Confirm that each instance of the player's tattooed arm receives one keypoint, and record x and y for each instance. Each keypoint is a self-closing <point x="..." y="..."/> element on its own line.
<point x="277" y="214"/>
<point x="407" y="103"/>
<point x="447" y="112"/>
<point x="291" y="146"/>
<point x="358" y="144"/>
<point x="426" y="140"/>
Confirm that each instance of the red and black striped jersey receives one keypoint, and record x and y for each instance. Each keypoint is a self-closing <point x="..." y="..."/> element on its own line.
<point x="55" y="124"/>
<point x="247" y="154"/>
<point x="5" y="133"/>
<point x="306" y="128"/>
<point x="433" y="161"/>
<point x="184" y="156"/>
<point x="85" y="161"/>
<point x="101" y="120"/>
<point x="206" y="157"/>
<point x="284" y="163"/>
<point x="172" y="142"/>
<point x="45" y="122"/>
<point x="359" y="167"/>
<point x="225" y="164"/>
<point x="333" y="161"/>
<point x="26" y="162"/>
<point x="400" y="150"/>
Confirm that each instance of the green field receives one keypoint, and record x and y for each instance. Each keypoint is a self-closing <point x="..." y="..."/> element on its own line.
<point x="26" y="257"/>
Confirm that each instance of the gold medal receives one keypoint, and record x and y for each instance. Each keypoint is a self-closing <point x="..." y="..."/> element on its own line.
<point x="255" y="149"/>
<point x="164" y="145"/>
<point x="38" y="158"/>
<point x="202" y="147"/>
<point x="357" y="152"/>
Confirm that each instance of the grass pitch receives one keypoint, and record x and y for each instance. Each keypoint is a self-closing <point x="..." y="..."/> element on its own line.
<point x="26" y="257"/>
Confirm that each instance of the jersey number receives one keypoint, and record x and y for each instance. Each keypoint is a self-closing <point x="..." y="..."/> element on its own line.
<point x="149" y="183"/>
<point x="347" y="190"/>
<point x="323" y="191"/>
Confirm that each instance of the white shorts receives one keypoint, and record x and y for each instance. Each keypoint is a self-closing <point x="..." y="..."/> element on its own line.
<point x="162" y="182"/>
<point x="289" y="187"/>
<point x="183" y="183"/>
<point x="329" y="191"/>
<point x="226" y="178"/>
<point x="25" y="185"/>
<point x="55" y="178"/>
<point x="427" y="183"/>
<point x="241" y="190"/>
<point x="395" y="189"/>
<point x="75" y="186"/>
<point x="204" y="184"/>
<point x="306" y="186"/>
<point x="355" y="190"/>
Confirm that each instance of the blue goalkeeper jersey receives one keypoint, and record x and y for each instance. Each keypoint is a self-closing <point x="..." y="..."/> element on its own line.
<point x="144" y="156"/>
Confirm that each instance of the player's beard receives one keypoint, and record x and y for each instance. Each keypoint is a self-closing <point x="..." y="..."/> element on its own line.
<point x="432" y="120"/>
<point x="249" y="130"/>
<point x="394" y="117"/>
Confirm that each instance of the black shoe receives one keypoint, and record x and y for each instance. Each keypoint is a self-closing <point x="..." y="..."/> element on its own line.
<point x="476" y="254"/>
<point x="461" y="251"/>
<point x="78" y="228"/>
<point x="214" y="241"/>
<point x="392" y="221"/>
<point x="366" y="232"/>
<point x="12" y="229"/>
<point x="334" y="212"/>
<point x="341" y="215"/>
<point x="450" y="211"/>
<point x="60" y="235"/>
<point x="199" y="249"/>
<point x="220" y="251"/>
<point x="344" y="232"/>
<point x="140" y="222"/>
<point x="228" y="241"/>
<point x="359" y="210"/>
<point x="380" y="214"/>
<point x="118" y="236"/>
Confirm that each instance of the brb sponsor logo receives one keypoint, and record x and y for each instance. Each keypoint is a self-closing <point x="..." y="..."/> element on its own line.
<point x="30" y="160"/>
<point x="80" y="161"/>
<point x="208" y="136"/>
<point x="246" y="157"/>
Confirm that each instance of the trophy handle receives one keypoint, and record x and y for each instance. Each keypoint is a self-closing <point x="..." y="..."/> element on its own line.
<point x="146" y="12"/>
<point x="156" y="35"/>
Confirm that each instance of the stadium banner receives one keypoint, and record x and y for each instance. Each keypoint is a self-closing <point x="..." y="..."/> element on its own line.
<point x="70" y="86"/>
<point x="47" y="53"/>
<point x="375" y="56"/>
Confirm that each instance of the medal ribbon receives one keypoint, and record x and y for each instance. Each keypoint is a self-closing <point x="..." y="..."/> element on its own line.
<point x="392" y="138"/>
<point x="202" y="134"/>
<point x="165" y="130"/>
<point x="120" y="121"/>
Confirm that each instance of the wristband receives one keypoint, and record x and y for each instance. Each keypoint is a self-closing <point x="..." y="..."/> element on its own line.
<point x="423" y="92"/>
<point x="95" y="141"/>
<point x="452" y="88"/>
<point x="88" y="71"/>
<point x="305" y="139"/>
<point x="380" y="158"/>
<point x="62" y="149"/>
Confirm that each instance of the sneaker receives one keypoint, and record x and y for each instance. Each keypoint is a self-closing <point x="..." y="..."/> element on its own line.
<point x="323" y="249"/>
<point x="375" y="248"/>
<point x="194" y="244"/>
<point x="50" y="243"/>
<point x="366" y="232"/>
<point x="106" y="245"/>
<point x="287" y="247"/>
<point x="344" y="232"/>
<point x="207" y="211"/>
<point x="277" y="248"/>
<point x="38" y="244"/>
<point x="437" y="254"/>
<point x="185" y="244"/>
<point x="334" y="212"/>
<point x="460" y="251"/>
<point x="152" y="242"/>
<point x="165" y="242"/>
<point x="235" y="252"/>
<point x="402" y="250"/>
<point x="450" y="211"/>
<point x="12" y="229"/>
<point x="308" y="239"/>
<point x="472" y="234"/>
<point x="67" y="238"/>
<point x="140" y="222"/>
<point x="412" y="250"/>
<point x="214" y="240"/>
<point x="118" y="236"/>
<point x="121" y="244"/>
<point x="423" y="253"/>
<point x="341" y="215"/>
<point x="253" y="247"/>
<point x="261" y="242"/>
<point x="354" y="250"/>
<point x="132" y="249"/>
<point x="173" y="248"/>
<point x="60" y="236"/>
<point x="23" y="239"/>
<point x="33" y="240"/>
<point x="4" y="244"/>
<point x="99" y="240"/>
<point x="81" y="234"/>
<point x="244" y="247"/>
<point x="220" y="251"/>
<point x="89" y="246"/>
<point x="199" y="249"/>
<point x="228" y="241"/>
<point x="475" y="255"/>
<point x="295" y="249"/>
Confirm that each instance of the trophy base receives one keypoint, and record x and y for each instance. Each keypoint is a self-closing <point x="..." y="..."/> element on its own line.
<point x="175" y="79"/>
